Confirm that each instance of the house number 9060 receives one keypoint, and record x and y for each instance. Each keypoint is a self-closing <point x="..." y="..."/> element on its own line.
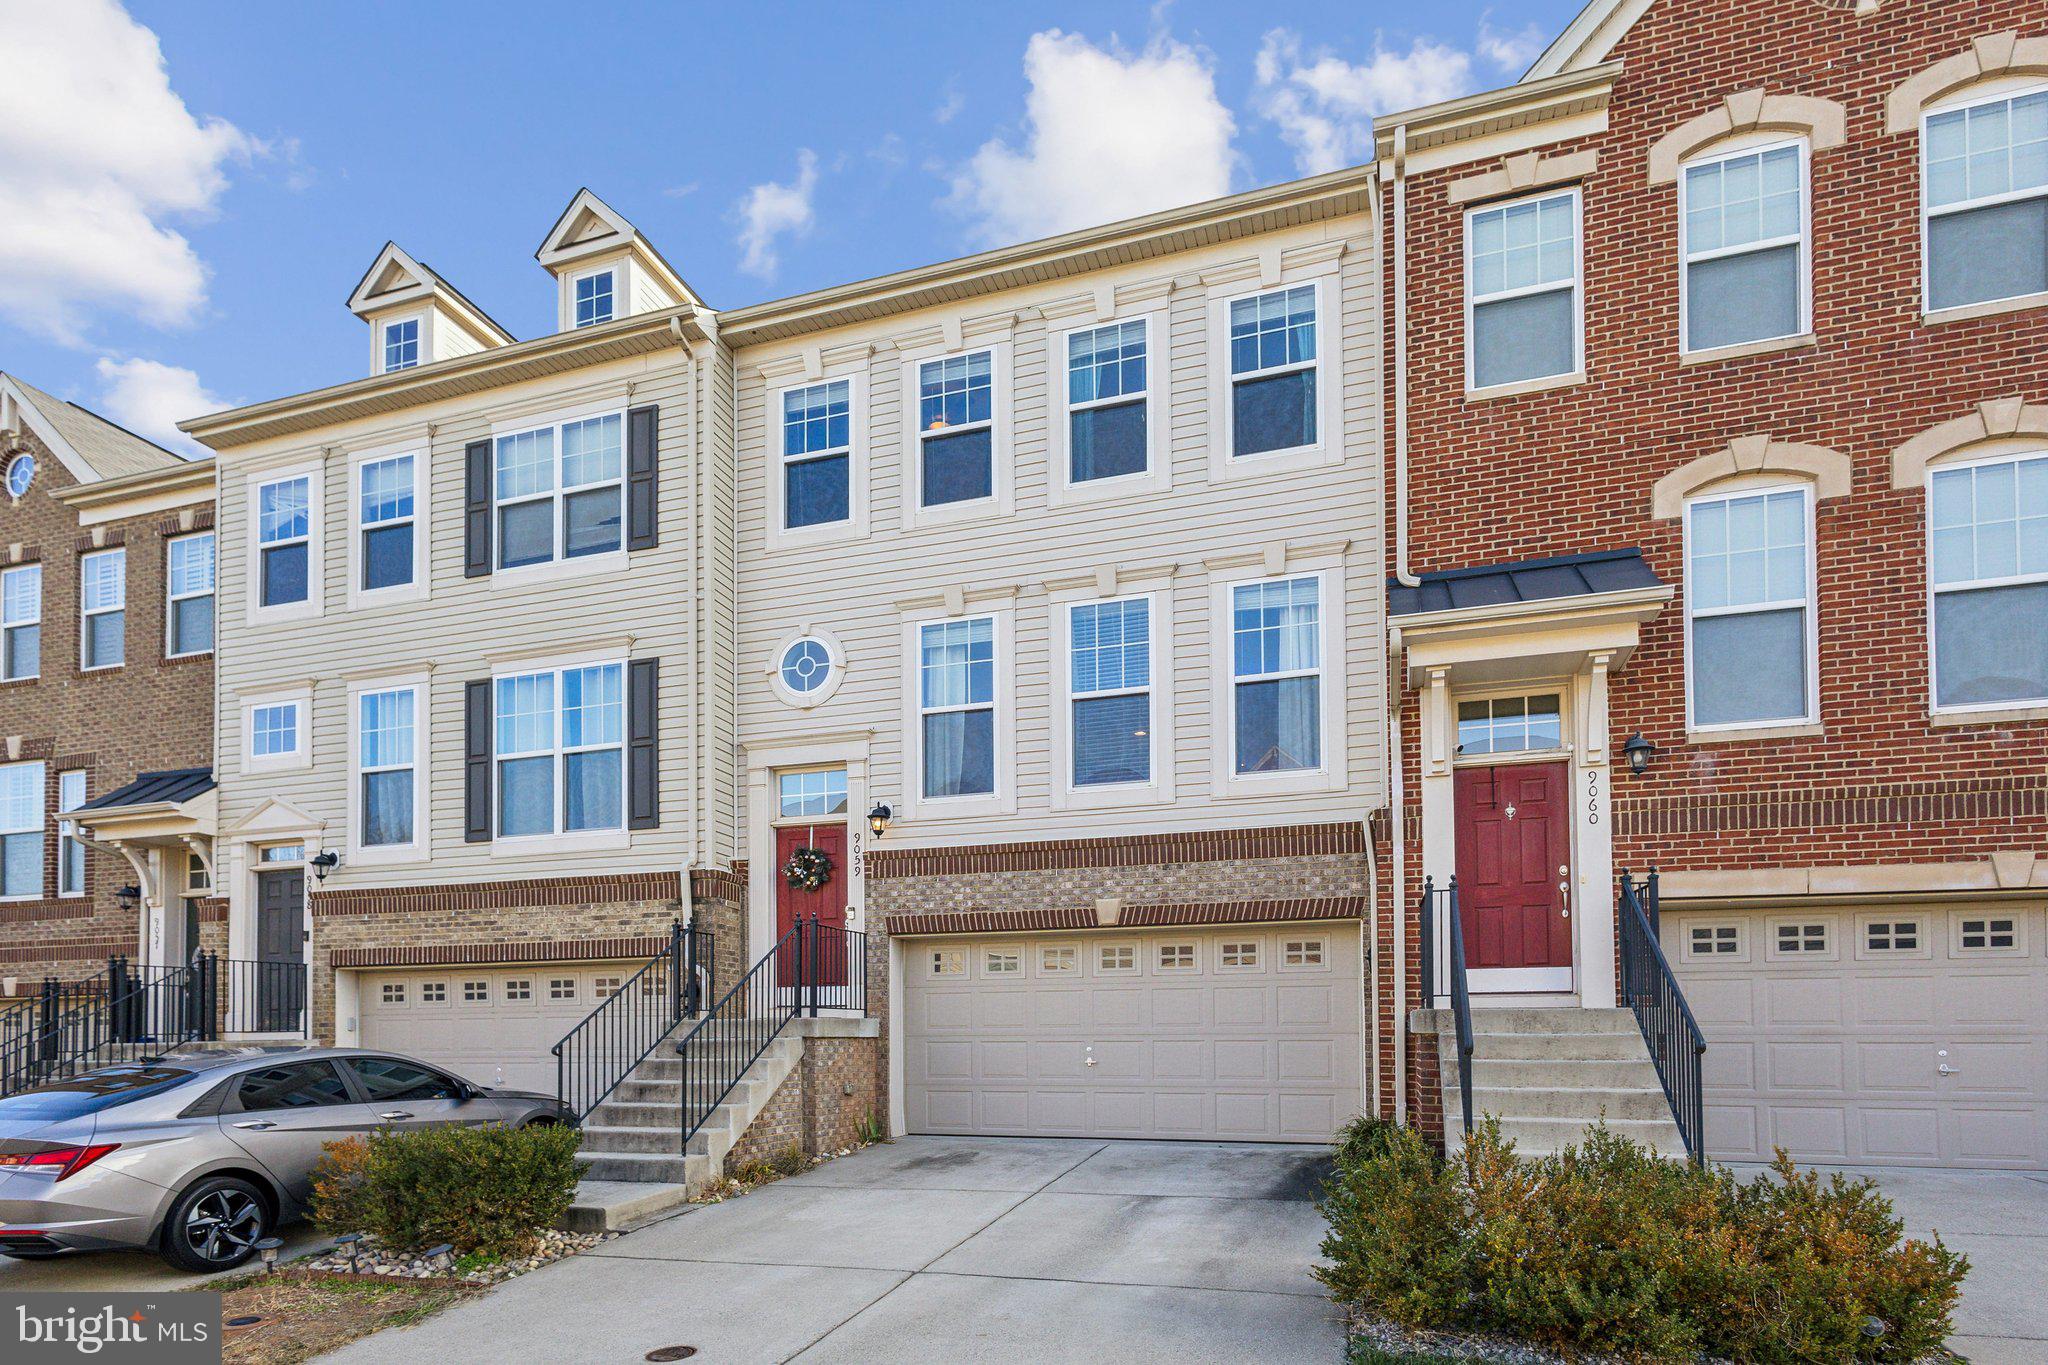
<point x="1593" y="798"/>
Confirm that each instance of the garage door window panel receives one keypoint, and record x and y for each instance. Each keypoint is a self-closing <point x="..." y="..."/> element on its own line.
<point x="1988" y="575"/>
<point x="1177" y="958"/>
<point x="1891" y="936"/>
<point x="1002" y="962"/>
<point x="1059" y="961"/>
<point x="1239" y="955"/>
<point x="1116" y="959"/>
<point x="1716" y="943"/>
<point x="1989" y="936"/>
<point x="946" y="962"/>
<point x="1802" y="939"/>
<point x="434" y="993"/>
<point x="1304" y="955"/>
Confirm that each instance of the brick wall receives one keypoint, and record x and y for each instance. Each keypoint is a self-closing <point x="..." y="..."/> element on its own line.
<point x="820" y="1105"/>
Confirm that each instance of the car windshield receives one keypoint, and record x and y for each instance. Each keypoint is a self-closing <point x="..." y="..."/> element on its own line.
<point x="89" y="1094"/>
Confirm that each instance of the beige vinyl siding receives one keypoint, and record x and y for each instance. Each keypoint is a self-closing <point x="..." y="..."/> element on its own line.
<point x="718" y="593"/>
<point x="451" y="340"/>
<point x="463" y="629"/>
<point x="853" y="588"/>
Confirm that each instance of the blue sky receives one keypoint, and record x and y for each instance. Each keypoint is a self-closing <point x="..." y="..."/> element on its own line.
<point x="196" y="186"/>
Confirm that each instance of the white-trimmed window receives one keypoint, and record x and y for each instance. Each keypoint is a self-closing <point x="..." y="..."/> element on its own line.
<point x="1509" y="725"/>
<point x="956" y="670"/>
<point x="1107" y="406"/>
<point x="1177" y="957"/>
<point x="1988" y="580"/>
<point x="1892" y="936"/>
<point x="189" y="584"/>
<point x="815" y="795"/>
<point x="401" y="344"/>
<point x="594" y="297"/>
<point x="198" y="881"/>
<point x="1986" y="200"/>
<point x="1116" y="959"/>
<point x="1749" y="609"/>
<point x="817" y="454"/>
<point x="434" y="993"/>
<point x="1743" y="251"/>
<point x="1059" y="960"/>
<point x="806" y="666"/>
<point x="1238" y="955"/>
<point x="561" y="751"/>
<point x="1276" y="629"/>
<point x="1275" y="371"/>
<point x="1523" y="313"/>
<point x="561" y="988"/>
<point x="284" y="537"/>
<point x="956" y="429"/>
<point x="1302" y="953"/>
<point x="561" y="491"/>
<point x="103" y="606"/>
<point x="21" y="621"/>
<point x="1987" y="934"/>
<point x="387" y="767"/>
<point x="394" y="992"/>
<point x="948" y="961"/>
<point x="1714" y="940"/>
<point x="276" y="733"/>
<point x="70" y="852"/>
<point x="1002" y="962"/>
<point x="1801" y="938"/>
<point x="21" y="831"/>
<point x="387" y="529"/>
<point x="1109" y="675"/>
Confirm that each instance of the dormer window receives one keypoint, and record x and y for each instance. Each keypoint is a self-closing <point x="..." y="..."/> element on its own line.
<point x="594" y="298"/>
<point x="401" y="344"/>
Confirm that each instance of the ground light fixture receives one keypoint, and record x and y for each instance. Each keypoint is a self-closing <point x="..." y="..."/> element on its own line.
<point x="878" y="819"/>
<point x="1638" y="751"/>
<point x="266" y="1247"/>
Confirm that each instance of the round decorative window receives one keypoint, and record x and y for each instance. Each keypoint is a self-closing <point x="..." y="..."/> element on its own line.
<point x="806" y="666"/>
<point x="20" y="474"/>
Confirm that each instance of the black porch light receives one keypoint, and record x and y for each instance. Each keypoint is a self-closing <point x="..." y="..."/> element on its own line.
<point x="324" y="862"/>
<point x="1638" y="751"/>
<point x="878" y="819"/>
<point x="129" y="896"/>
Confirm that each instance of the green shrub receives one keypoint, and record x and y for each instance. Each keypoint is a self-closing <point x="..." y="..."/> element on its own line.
<point x="1607" y="1247"/>
<point x="1363" y="1138"/>
<point x="487" y="1190"/>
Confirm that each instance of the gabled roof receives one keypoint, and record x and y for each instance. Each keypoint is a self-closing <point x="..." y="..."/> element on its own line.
<point x="166" y="788"/>
<point x="590" y="227"/>
<point x="1589" y="39"/>
<point x="85" y="443"/>
<point x="397" y="277"/>
<point x="1528" y="580"/>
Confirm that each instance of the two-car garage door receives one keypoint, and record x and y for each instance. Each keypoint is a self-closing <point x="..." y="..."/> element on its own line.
<point x="1245" y="1034"/>
<point x="491" y="1025"/>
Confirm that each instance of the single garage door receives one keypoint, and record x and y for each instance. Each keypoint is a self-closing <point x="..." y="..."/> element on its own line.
<point x="1909" y="1036"/>
<point x="1245" y="1034"/>
<point x="492" y="1025"/>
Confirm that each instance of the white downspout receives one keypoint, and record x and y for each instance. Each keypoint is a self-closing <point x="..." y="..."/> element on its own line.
<point x="1371" y="961"/>
<point x="1402" y="573"/>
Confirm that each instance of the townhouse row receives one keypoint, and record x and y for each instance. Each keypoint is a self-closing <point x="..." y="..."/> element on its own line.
<point x="1644" y="464"/>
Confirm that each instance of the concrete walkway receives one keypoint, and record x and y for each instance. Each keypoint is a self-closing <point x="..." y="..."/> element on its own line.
<point x="986" y="1249"/>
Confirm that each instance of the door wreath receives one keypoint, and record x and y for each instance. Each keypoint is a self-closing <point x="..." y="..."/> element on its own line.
<point x="808" y="868"/>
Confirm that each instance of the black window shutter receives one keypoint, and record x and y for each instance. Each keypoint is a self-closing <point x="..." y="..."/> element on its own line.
<point x="476" y="520"/>
<point x="643" y="803"/>
<point x="476" y="753"/>
<point x="641" y="430"/>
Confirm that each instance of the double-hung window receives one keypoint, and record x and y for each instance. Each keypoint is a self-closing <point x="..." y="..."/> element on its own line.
<point x="1110" y="672"/>
<point x="561" y="491"/>
<point x="1276" y="630"/>
<point x="1988" y="529"/>
<point x="1987" y="200"/>
<point x="21" y="621"/>
<point x="1274" y="371"/>
<point x="561" y="750"/>
<point x="189" y="570"/>
<point x="1749" y="608"/>
<point x="956" y="418"/>
<point x="103" y="605"/>
<point x="21" y="830"/>
<point x="1106" y="402"/>
<point x="275" y="731"/>
<point x="817" y="454"/>
<point x="386" y="758"/>
<point x="401" y="344"/>
<point x="386" y="516"/>
<point x="284" y="535"/>
<point x="1744" y="259"/>
<point x="594" y="298"/>
<point x="1522" y="291"/>
<point x="957" y="707"/>
<point x="70" y="852"/>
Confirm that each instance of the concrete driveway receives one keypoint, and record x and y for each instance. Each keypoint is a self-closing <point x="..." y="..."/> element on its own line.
<point x="133" y="1270"/>
<point x="986" y="1249"/>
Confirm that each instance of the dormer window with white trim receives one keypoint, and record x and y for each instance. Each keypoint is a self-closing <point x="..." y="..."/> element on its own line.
<point x="401" y="344"/>
<point x="594" y="297"/>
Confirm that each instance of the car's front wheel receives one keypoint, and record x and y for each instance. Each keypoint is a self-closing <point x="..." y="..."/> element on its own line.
<point x="215" y="1225"/>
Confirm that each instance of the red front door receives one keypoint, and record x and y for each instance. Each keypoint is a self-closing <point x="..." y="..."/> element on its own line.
<point x="1514" y="859"/>
<point x="827" y="904"/>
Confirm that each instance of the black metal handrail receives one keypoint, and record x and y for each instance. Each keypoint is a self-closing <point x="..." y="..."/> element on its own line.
<point x="122" y="1014"/>
<point x="1460" y="984"/>
<point x="630" y="1023"/>
<point x="1649" y="988"/>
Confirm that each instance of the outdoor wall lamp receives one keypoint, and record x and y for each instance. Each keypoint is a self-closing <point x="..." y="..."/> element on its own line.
<point x="324" y="862"/>
<point x="128" y="896"/>
<point x="1638" y="751"/>
<point x="878" y="819"/>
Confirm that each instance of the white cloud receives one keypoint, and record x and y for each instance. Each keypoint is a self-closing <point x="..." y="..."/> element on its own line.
<point x="1108" y="134"/>
<point x="150" y="399"/>
<point x="96" y="152"/>
<point x="1511" y="52"/>
<point x="1325" y="105"/>
<point x="950" y="103"/>
<point x="771" y="211"/>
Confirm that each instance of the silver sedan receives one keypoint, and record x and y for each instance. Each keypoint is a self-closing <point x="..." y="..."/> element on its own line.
<point x="201" y="1155"/>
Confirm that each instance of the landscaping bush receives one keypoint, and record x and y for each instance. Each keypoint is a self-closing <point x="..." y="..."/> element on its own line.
<point x="1607" y="1247"/>
<point x="489" y="1190"/>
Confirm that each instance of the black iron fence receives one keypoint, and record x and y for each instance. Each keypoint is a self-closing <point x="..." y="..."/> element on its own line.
<point x="631" y="1022"/>
<point x="258" y="997"/>
<point x="1440" y="908"/>
<point x="1650" y="989"/>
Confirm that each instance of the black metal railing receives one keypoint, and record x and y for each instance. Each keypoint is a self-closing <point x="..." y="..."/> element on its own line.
<point x="1442" y="907"/>
<point x="258" y="997"/>
<point x="631" y="1022"/>
<point x="1648" y="987"/>
<point x="812" y="967"/>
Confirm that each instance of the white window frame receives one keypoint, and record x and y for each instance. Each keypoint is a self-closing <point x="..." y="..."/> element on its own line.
<point x="86" y="613"/>
<point x="419" y="342"/>
<point x="558" y="565"/>
<point x="1158" y="789"/>
<point x="1193" y="965"/>
<point x="67" y="833"/>
<point x="1157" y="476"/>
<point x="172" y="598"/>
<point x="2017" y="948"/>
<point x="855" y="527"/>
<point x="945" y="963"/>
<point x="1992" y="93"/>
<point x="301" y="699"/>
<point x="1328" y="447"/>
<point x="1227" y="783"/>
<point x="576" y="281"/>
<point x="421" y="844"/>
<point x="1577" y="373"/>
<point x="1250" y="953"/>
<point x="582" y="839"/>
<point x="9" y="625"/>
<point x="1923" y="927"/>
<point x="1831" y="939"/>
<point x="418" y="589"/>
<point x="1729" y="151"/>
<point x="1001" y="499"/>
<point x="823" y="692"/>
<point x="2013" y="456"/>
<point x="1066" y="955"/>
<point x="313" y="605"/>
<point x="1811" y="606"/>
<point x="1099" y="966"/>
<point x="1003" y="801"/>
<point x="1738" y="934"/>
<point x="1316" y="951"/>
<point x="42" y="778"/>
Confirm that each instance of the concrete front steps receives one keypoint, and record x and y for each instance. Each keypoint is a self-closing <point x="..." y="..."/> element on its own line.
<point x="1550" y="1074"/>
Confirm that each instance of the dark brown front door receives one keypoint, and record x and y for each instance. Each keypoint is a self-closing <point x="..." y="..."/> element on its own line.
<point x="826" y="904"/>
<point x="279" y="989"/>
<point x="1514" y="861"/>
